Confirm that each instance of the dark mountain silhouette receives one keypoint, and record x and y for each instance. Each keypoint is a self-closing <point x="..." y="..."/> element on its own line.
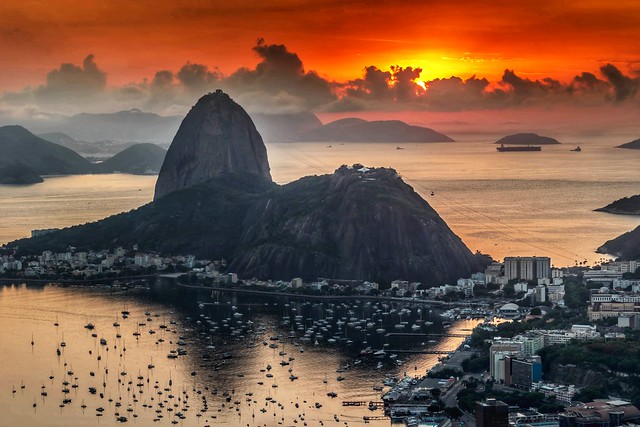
<point x="526" y="139"/>
<point x="139" y="159"/>
<point x="357" y="223"/>
<point x="216" y="137"/>
<point x="634" y="145"/>
<point x="625" y="246"/>
<point x="358" y="130"/>
<point x="21" y="148"/>
<point x="624" y="206"/>
<point x="18" y="173"/>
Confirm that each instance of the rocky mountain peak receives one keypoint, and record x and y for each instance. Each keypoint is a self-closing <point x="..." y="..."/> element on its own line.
<point x="216" y="137"/>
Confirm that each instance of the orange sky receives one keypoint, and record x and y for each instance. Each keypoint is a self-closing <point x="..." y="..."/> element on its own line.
<point x="132" y="40"/>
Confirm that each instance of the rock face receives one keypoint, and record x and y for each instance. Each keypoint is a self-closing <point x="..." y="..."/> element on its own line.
<point x="353" y="224"/>
<point x="216" y="137"/>
<point x="358" y="130"/>
<point x="526" y="139"/>
<point x="139" y="159"/>
<point x="41" y="157"/>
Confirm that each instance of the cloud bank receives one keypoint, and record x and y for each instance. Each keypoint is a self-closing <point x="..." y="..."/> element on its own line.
<point x="279" y="83"/>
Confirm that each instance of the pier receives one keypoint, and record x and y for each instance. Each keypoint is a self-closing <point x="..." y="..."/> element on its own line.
<point x="416" y="335"/>
<point x="417" y="351"/>
<point x="370" y="404"/>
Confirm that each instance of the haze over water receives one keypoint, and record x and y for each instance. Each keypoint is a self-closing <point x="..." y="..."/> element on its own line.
<point x="503" y="204"/>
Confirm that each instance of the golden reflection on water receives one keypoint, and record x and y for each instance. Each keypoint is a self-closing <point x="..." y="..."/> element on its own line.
<point x="30" y="313"/>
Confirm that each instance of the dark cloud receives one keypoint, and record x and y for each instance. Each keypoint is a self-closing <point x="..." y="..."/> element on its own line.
<point x="624" y="87"/>
<point x="196" y="78"/>
<point x="374" y="85"/>
<point x="455" y="94"/>
<point x="523" y="91"/>
<point x="71" y="83"/>
<point x="279" y="83"/>
<point x="404" y="85"/>
<point x="280" y="73"/>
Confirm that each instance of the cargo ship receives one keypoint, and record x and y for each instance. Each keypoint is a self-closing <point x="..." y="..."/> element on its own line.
<point x="519" y="148"/>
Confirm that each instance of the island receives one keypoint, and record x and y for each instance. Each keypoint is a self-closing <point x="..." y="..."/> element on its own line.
<point x="624" y="206"/>
<point x="526" y="139"/>
<point x="633" y="145"/>
<point x="358" y="130"/>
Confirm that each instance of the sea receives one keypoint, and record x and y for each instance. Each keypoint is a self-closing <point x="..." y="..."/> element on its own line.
<point x="501" y="204"/>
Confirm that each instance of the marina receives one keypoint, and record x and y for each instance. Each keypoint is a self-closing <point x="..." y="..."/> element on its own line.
<point x="128" y="357"/>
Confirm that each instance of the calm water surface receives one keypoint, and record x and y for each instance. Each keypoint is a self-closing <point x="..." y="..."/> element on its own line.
<point x="202" y="385"/>
<point x="535" y="203"/>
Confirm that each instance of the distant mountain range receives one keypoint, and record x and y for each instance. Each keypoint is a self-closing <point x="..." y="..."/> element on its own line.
<point x="104" y="134"/>
<point x="358" y="130"/>
<point x="26" y="157"/>
<point x="93" y="149"/>
<point x="634" y="145"/>
<point x="130" y="125"/>
<point x="526" y="139"/>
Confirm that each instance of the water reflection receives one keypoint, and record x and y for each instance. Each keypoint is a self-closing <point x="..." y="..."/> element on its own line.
<point x="226" y="360"/>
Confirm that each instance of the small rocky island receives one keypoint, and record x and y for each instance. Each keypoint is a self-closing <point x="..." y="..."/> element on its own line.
<point x="633" y="145"/>
<point x="215" y="199"/>
<point x="526" y="139"/>
<point x="624" y="206"/>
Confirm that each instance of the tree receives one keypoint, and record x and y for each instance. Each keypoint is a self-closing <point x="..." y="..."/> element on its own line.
<point x="453" y="412"/>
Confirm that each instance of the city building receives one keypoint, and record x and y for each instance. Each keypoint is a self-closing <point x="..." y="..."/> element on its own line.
<point x="527" y="268"/>
<point x="510" y="311"/>
<point x="492" y="413"/>
<point x="600" y="413"/>
<point x="524" y="372"/>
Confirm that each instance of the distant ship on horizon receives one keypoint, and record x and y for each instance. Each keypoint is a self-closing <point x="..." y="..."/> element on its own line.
<point x="503" y="147"/>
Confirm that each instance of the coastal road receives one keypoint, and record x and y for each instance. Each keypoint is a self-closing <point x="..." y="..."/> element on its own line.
<point x="450" y="399"/>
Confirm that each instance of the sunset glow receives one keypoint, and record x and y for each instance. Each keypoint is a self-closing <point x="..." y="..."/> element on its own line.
<point x="133" y="40"/>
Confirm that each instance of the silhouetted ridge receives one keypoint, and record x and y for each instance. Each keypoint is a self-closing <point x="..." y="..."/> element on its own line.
<point x="216" y="137"/>
<point x="18" y="147"/>
<point x="358" y="130"/>
<point x="145" y="158"/>
<point x="526" y="139"/>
